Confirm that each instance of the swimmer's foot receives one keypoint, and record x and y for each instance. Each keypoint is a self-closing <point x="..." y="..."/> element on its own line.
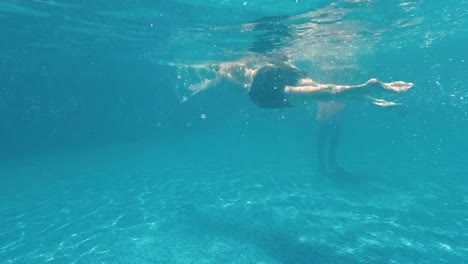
<point x="397" y="87"/>
<point x="337" y="169"/>
<point x="322" y="169"/>
<point x="332" y="170"/>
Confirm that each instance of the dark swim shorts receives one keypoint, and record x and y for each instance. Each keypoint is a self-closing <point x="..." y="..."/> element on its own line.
<point x="269" y="83"/>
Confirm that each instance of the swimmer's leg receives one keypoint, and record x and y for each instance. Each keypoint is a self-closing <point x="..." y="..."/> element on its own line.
<point x="322" y="140"/>
<point x="335" y="133"/>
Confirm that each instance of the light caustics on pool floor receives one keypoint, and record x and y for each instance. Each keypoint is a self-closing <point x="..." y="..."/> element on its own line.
<point x="214" y="214"/>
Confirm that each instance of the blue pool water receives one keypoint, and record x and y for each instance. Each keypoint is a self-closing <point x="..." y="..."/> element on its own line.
<point x="113" y="149"/>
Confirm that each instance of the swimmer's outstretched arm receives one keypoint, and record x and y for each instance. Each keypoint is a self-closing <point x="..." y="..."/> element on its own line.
<point x="372" y="86"/>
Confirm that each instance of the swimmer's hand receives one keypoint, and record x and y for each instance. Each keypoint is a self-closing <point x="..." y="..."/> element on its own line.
<point x="381" y="102"/>
<point x="398" y="86"/>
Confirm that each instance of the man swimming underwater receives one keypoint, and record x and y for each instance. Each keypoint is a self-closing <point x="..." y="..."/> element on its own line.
<point x="276" y="84"/>
<point x="281" y="84"/>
